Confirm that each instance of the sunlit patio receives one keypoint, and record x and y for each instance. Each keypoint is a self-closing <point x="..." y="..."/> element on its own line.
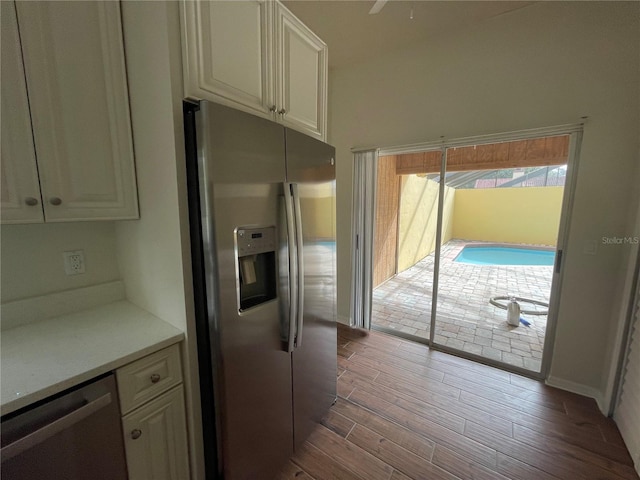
<point x="465" y="319"/>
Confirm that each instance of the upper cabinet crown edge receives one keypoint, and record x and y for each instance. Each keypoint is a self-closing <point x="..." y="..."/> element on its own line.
<point x="256" y="56"/>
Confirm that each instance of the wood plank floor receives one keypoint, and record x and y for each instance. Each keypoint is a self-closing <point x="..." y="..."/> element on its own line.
<point x="406" y="412"/>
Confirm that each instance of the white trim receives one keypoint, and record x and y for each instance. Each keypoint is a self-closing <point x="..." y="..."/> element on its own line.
<point x="579" y="388"/>
<point x="481" y="139"/>
<point x="573" y="160"/>
<point x="365" y="170"/>
<point x="344" y="320"/>
<point x="436" y="264"/>
<point x="363" y="149"/>
<point x="622" y="342"/>
<point x="627" y="411"/>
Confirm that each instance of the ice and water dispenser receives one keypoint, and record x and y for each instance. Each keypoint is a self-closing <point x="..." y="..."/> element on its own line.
<point x="256" y="257"/>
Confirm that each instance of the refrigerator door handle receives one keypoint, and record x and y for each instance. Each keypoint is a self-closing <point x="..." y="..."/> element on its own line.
<point x="300" y="263"/>
<point x="293" y="266"/>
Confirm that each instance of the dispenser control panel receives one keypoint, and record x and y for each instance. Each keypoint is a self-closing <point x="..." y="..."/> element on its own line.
<point x="252" y="241"/>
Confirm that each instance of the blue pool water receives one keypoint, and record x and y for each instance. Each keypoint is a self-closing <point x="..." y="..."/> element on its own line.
<point x="505" y="256"/>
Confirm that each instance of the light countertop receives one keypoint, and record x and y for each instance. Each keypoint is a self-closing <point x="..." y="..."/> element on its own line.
<point x="43" y="358"/>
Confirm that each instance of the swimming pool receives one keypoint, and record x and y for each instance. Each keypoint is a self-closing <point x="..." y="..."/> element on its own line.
<point x="501" y="255"/>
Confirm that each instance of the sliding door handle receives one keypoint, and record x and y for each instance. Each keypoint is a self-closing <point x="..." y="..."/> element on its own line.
<point x="558" y="261"/>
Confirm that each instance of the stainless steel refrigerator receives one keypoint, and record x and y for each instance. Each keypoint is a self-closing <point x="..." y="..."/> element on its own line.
<point x="262" y="218"/>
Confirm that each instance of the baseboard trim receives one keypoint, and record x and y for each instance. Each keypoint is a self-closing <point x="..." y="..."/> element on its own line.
<point x="344" y="320"/>
<point x="580" y="389"/>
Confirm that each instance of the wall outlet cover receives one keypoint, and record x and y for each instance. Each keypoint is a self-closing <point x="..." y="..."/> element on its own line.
<point x="74" y="262"/>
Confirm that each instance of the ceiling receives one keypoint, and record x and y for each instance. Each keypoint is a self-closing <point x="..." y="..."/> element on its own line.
<point x="353" y="35"/>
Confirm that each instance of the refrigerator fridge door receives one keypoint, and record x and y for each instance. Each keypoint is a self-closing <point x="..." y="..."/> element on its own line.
<point x="311" y="171"/>
<point x="241" y="174"/>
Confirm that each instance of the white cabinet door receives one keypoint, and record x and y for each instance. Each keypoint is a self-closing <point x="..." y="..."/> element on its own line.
<point x="76" y="79"/>
<point x="156" y="439"/>
<point x="301" y="75"/>
<point x="228" y="53"/>
<point x="19" y="189"/>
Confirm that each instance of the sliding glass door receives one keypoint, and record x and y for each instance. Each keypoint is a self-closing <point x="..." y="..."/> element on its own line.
<point x="496" y="267"/>
<point x="468" y="246"/>
<point x="407" y="204"/>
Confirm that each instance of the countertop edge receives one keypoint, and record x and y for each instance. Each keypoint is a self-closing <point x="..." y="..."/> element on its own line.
<point x="32" y="398"/>
<point x="75" y="333"/>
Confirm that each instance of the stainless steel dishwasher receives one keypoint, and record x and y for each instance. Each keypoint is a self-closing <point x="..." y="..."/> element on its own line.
<point x="76" y="435"/>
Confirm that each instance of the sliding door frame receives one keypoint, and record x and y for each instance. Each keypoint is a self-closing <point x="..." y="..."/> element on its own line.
<point x="575" y="132"/>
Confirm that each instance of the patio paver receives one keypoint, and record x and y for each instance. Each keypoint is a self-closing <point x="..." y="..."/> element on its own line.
<point x="465" y="318"/>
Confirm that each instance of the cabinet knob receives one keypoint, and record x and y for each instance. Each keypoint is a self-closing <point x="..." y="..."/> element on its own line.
<point x="272" y="108"/>
<point x="332" y="161"/>
<point x="155" y="378"/>
<point x="282" y="111"/>
<point x="135" y="434"/>
<point x="31" y="201"/>
<point x="55" y="201"/>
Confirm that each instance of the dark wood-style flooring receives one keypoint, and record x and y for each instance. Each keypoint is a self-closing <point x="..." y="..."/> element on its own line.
<point x="407" y="412"/>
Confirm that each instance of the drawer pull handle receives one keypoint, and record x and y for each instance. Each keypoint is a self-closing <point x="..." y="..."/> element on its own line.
<point x="31" y="201"/>
<point x="155" y="378"/>
<point x="135" y="434"/>
<point x="55" y="201"/>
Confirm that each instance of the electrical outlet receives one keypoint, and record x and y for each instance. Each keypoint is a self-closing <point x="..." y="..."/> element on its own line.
<point x="74" y="262"/>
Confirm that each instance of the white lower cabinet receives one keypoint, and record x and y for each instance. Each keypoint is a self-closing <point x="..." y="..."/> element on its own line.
<point x="154" y="422"/>
<point x="156" y="439"/>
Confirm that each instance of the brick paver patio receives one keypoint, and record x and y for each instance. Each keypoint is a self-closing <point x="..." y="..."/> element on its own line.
<point x="465" y="319"/>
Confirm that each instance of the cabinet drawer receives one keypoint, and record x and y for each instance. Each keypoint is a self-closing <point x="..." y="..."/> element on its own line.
<point x="143" y="379"/>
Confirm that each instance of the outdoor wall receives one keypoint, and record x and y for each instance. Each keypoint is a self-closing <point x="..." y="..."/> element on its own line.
<point x="318" y="202"/>
<point x="549" y="63"/>
<point x="385" y="241"/>
<point x="512" y="215"/>
<point x="419" y="217"/>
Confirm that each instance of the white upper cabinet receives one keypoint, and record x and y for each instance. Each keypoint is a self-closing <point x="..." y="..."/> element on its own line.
<point x="301" y="75"/>
<point x="258" y="57"/>
<point x="19" y="188"/>
<point x="228" y="53"/>
<point x="77" y="88"/>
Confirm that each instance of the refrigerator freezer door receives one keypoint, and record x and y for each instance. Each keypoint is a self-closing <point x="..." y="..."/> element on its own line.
<point x="241" y="169"/>
<point x="310" y="166"/>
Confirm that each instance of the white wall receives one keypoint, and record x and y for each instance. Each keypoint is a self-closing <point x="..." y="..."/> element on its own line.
<point x="32" y="261"/>
<point x="547" y="64"/>
<point x="154" y="251"/>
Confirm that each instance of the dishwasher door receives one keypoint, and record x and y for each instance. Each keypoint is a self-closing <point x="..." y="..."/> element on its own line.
<point x="76" y="435"/>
